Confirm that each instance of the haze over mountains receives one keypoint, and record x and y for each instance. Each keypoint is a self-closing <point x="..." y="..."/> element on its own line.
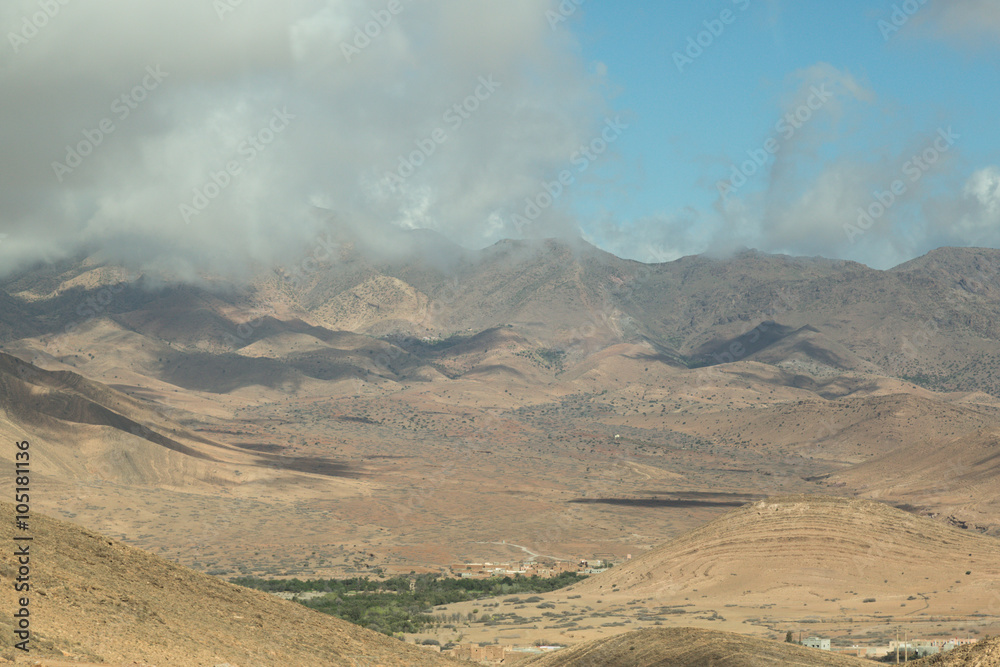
<point x="359" y="413"/>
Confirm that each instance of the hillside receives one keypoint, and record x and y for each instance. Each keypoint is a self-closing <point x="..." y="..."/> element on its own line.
<point x="816" y="549"/>
<point x="852" y="570"/>
<point x="953" y="476"/>
<point x="985" y="653"/>
<point x="92" y="431"/>
<point x="95" y="599"/>
<point x="690" y="647"/>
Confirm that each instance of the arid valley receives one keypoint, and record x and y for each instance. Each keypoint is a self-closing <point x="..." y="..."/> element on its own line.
<point x="367" y="422"/>
<point x="545" y="333"/>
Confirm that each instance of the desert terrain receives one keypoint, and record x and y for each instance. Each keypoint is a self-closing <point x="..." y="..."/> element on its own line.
<point x="851" y="570"/>
<point x="538" y="400"/>
<point x="95" y="600"/>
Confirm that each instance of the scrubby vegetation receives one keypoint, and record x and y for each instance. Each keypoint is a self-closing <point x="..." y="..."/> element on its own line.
<point x="403" y="604"/>
<point x="545" y="357"/>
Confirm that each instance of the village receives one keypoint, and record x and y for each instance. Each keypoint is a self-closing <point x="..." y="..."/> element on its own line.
<point x="543" y="568"/>
<point x="495" y="654"/>
<point x="907" y="649"/>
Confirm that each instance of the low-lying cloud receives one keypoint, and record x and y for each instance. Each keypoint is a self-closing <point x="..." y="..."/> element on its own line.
<point x="196" y="136"/>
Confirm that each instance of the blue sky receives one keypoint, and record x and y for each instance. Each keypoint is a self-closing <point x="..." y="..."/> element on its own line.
<point x="893" y="90"/>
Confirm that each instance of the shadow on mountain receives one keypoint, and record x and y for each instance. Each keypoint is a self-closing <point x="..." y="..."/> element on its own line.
<point x="267" y="327"/>
<point x="831" y="389"/>
<point x="82" y="411"/>
<point x="658" y="502"/>
<point x="309" y="464"/>
<point x="662" y="358"/>
<point x="17" y="318"/>
<point x="259" y="447"/>
<point x="66" y="406"/>
<point x="223" y="373"/>
<point x="726" y="351"/>
<point x="328" y="365"/>
<point x="173" y="313"/>
<point x="811" y="350"/>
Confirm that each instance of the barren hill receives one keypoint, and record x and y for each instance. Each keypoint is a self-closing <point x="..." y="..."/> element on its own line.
<point x="89" y="432"/>
<point x="95" y="599"/>
<point x="836" y="554"/>
<point x="851" y="570"/>
<point x="690" y="647"/>
<point x="92" y="427"/>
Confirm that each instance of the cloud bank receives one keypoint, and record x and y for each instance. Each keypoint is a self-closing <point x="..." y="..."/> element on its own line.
<point x="199" y="135"/>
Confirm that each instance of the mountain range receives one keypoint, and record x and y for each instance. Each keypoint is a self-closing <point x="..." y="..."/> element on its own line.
<point x="363" y="412"/>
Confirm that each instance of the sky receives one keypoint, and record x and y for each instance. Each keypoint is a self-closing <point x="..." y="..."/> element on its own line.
<point x="219" y="136"/>
<point x="706" y="98"/>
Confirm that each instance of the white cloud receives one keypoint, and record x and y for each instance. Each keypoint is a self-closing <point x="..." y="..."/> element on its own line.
<point x="963" y="22"/>
<point x="659" y="238"/>
<point x="971" y="218"/>
<point x="811" y="197"/>
<point x="354" y="116"/>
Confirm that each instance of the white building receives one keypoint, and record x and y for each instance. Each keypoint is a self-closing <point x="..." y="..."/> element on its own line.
<point x="816" y="642"/>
